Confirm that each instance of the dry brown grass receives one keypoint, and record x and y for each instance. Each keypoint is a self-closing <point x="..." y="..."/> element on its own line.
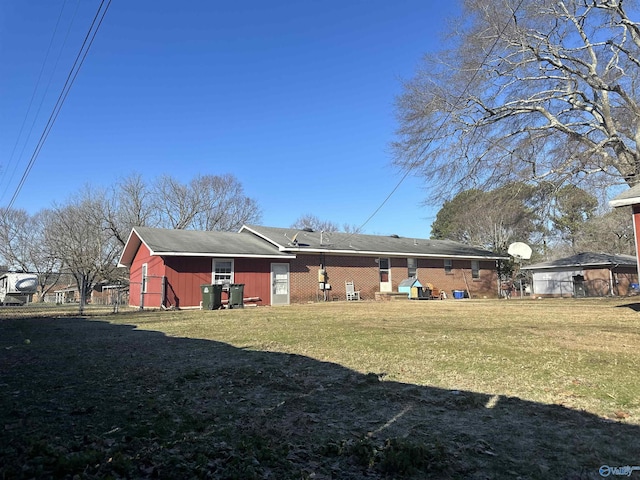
<point x="451" y="389"/>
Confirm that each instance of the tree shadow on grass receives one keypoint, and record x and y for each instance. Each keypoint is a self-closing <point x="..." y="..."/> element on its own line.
<point x="633" y="306"/>
<point x="89" y="399"/>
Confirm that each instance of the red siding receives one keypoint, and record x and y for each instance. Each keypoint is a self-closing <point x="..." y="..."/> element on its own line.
<point x="184" y="277"/>
<point x="155" y="271"/>
<point x="636" y="228"/>
<point x="255" y="274"/>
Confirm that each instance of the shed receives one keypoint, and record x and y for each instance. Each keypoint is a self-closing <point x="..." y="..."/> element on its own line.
<point x="586" y="274"/>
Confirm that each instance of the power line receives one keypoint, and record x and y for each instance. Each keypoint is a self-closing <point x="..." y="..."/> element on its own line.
<point x="73" y="73"/>
<point x="446" y="118"/>
<point x="9" y="178"/>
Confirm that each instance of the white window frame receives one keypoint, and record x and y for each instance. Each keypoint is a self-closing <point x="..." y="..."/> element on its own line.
<point x="143" y="280"/>
<point x="475" y="272"/>
<point x="213" y="271"/>
<point x="448" y="265"/>
<point x="412" y="264"/>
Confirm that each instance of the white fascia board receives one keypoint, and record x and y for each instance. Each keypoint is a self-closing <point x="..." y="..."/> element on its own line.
<point x="392" y="254"/>
<point x="580" y="265"/>
<point x="218" y="255"/>
<point x="124" y="250"/>
<point x="625" y="202"/>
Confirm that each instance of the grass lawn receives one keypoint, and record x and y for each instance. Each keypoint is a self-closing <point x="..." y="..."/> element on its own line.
<point x="434" y="389"/>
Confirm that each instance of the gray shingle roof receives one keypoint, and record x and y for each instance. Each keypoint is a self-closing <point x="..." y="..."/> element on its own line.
<point x="294" y="240"/>
<point x="197" y="243"/>
<point x="272" y="242"/>
<point x="586" y="259"/>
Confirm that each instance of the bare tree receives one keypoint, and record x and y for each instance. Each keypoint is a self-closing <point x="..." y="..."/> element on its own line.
<point x="533" y="90"/>
<point x="15" y="238"/>
<point x="223" y="204"/>
<point x="22" y="246"/>
<point x="128" y="204"/>
<point x="208" y="202"/>
<point x="76" y="234"/>
<point x="610" y="232"/>
<point x="175" y="203"/>
<point x="311" y="221"/>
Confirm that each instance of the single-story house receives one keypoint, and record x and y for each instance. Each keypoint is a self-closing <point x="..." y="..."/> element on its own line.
<point x="584" y="275"/>
<point x="101" y="294"/>
<point x="278" y="266"/>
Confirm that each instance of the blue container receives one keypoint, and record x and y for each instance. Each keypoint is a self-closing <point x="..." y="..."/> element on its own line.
<point x="457" y="294"/>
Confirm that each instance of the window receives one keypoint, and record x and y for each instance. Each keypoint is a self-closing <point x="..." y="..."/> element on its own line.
<point x="384" y="270"/>
<point x="475" y="269"/>
<point x="412" y="268"/>
<point x="143" y="287"/>
<point x="222" y="272"/>
<point x="448" y="265"/>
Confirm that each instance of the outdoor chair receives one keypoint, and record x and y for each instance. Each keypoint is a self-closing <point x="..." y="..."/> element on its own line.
<point x="352" y="293"/>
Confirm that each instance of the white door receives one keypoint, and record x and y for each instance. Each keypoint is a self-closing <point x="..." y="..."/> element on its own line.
<point x="279" y="284"/>
<point x="385" y="275"/>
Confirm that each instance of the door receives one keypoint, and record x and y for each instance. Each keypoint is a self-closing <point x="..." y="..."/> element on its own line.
<point x="279" y="284"/>
<point x="385" y="275"/>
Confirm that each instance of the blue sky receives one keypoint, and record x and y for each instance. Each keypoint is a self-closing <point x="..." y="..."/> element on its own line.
<point x="295" y="98"/>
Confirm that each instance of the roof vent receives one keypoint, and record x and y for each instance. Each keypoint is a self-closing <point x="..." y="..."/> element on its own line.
<point x="394" y="236"/>
<point x="307" y="229"/>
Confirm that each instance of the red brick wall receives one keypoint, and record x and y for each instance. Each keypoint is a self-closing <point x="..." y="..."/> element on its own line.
<point x="460" y="278"/>
<point x="598" y="281"/>
<point x="623" y="278"/>
<point x="364" y="272"/>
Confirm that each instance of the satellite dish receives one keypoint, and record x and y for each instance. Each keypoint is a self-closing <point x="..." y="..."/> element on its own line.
<point x="520" y="250"/>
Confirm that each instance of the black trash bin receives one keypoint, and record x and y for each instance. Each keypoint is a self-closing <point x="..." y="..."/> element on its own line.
<point x="211" y="296"/>
<point x="236" y="295"/>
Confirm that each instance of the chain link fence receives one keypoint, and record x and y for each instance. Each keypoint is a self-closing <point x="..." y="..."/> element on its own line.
<point x="111" y="299"/>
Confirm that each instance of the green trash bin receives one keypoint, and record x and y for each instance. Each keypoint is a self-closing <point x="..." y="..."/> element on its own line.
<point x="217" y="296"/>
<point x="211" y="296"/>
<point x="207" y="297"/>
<point x="236" y="295"/>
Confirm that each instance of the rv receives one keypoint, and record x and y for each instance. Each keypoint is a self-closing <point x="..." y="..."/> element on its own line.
<point x="17" y="288"/>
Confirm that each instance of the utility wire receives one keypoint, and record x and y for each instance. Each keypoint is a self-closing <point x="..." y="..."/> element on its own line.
<point x="33" y="96"/>
<point x="446" y="118"/>
<point x="73" y="73"/>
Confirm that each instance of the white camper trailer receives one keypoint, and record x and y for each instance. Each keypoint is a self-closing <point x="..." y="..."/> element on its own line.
<point x="17" y="288"/>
